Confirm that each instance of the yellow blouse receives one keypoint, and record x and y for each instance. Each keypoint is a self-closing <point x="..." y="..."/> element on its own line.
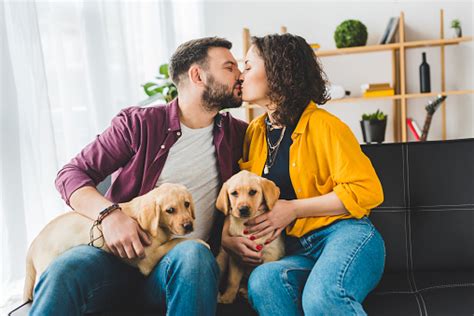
<point x="325" y="156"/>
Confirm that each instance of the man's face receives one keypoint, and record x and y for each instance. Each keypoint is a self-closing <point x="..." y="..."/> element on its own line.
<point x="222" y="81"/>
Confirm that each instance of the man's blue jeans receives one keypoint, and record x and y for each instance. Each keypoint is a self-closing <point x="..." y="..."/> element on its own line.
<point x="87" y="280"/>
<point x="328" y="271"/>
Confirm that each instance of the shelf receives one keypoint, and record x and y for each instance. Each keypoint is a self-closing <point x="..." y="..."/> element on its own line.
<point x="399" y="96"/>
<point x="391" y="97"/>
<point x="393" y="46"/>
<point x="357" y="50"/>
<point x="437" y="42"/>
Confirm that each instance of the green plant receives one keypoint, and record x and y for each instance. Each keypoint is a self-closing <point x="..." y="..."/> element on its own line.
<point x="377" y="116"/>
<point x="456" y="24"/>
<point x="350" y="33"/>
<point x="164" y="87"/>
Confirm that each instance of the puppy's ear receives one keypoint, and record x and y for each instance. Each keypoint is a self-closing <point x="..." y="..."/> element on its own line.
<point x="192" y="207"/>
<point x="271" y="192"/>
<point x="149" y="216"/>
<point x="223" y="203"/>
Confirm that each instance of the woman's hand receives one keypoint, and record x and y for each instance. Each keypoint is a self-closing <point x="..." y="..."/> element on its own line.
<point x="242" y="248"/>
<point x="275" y="221"/>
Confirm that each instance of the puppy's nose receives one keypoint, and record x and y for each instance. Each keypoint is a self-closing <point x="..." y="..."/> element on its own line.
<point x="188" y="227"/>
<point x="244" y="211"/>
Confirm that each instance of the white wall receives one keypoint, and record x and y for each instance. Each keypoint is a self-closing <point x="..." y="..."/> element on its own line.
<point x="316" y="21"/>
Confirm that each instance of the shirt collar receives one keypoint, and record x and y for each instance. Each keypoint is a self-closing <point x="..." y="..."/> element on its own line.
<point x="172" y="113"/>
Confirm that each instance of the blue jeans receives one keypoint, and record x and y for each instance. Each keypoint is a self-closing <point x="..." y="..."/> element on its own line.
<point x="88" y="280"/>
<point x="328" y="271"/>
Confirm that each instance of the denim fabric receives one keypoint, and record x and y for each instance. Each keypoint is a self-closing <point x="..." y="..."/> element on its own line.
<point x="88" y="280"/>
<point x="328" y="271"/>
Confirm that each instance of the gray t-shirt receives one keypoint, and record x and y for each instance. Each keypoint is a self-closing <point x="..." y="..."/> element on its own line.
<point x="192" y="162"/>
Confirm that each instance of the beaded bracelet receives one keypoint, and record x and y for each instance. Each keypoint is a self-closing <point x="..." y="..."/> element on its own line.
<point x="97" y="223"/>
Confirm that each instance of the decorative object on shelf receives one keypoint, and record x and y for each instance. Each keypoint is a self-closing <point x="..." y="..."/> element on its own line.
<point x="337" y="91"/>
<point x="373" y="127"/>
<point x="430" y="109"/>
<point x="350" y="33"/>
<point x="413" y="128"/>
<point x="425" y="84"/>
<point x="377" y="90"/>
<point x="315" y="46"/>
<point x="389" y="34"/>
<point x="456" y="27"/>
<point x="164" y="89"/>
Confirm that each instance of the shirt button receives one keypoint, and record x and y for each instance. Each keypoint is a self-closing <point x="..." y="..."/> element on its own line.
<point x="299" y="190"/>
<point x="169" y="129"/>
<point x="178" y="133"/>
<point x="294" y="164"/>
<point x="162" y="146"/>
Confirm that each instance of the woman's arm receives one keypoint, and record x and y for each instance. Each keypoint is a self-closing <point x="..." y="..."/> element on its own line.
<point x="325" y="205"/>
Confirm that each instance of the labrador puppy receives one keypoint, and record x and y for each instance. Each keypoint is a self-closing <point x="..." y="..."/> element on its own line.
<point x="243" y="197"/>
<point x="164" y="211"/>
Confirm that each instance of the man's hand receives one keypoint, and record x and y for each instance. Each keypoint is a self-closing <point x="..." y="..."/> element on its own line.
<point x="123" y="235"/>
<point x="242" y="248"/>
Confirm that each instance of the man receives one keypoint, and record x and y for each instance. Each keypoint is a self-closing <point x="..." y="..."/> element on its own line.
<point x="186" y="141"/>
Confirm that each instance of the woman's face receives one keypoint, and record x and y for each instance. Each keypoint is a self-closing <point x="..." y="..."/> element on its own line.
<point x="254" y="86"/>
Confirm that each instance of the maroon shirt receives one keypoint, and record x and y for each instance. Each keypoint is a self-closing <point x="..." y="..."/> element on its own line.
<point x="135" y="147"/>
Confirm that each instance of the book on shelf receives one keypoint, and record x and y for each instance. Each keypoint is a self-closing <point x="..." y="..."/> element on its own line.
<point x="390" y="30"/>
<point x="374" y="86"/>
<point x="411" y="127"/>
<point x="379" y="93"/>
<point x="393" y="31"/>
<point x="416" y="127"/>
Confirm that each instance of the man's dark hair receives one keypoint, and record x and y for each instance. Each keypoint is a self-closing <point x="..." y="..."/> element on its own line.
<point x="294" y="75"/>
<point x="193" y="52"/>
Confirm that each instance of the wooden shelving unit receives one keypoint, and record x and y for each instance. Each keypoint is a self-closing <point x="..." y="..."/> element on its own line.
<point x="398" y="52"/>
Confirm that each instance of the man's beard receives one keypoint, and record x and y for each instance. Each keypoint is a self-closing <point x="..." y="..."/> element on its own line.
<point x="217" y="97"/>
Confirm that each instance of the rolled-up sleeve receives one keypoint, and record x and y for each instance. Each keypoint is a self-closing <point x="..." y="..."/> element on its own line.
<point x="356" y="182"/>
<point x="108" y="152"/>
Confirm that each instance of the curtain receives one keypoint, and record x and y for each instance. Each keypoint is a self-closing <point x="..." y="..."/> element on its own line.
<point x="66" y="69"/>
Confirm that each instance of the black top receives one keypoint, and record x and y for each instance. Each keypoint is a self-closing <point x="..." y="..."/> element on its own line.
<point x="279" y="171"/>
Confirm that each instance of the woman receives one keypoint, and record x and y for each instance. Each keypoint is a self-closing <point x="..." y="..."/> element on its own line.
<point x="334" y="255"/>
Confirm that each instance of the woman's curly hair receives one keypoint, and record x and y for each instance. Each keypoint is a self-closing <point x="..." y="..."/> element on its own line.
<point x="294" y="75"/>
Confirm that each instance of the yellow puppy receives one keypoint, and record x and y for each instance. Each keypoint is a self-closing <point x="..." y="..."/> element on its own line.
<point x="243" y="197"/>
<point x="164" y="211"/>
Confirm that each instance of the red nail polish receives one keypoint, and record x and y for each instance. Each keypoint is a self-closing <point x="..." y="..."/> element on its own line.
<point x="252" y="237"/>
<point x="259" y="247"/>
<point x="246" y="232"/>
<point x="267" y="242"/>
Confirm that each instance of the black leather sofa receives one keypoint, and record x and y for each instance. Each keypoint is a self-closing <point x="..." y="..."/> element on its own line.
<point x="427" y="221"/>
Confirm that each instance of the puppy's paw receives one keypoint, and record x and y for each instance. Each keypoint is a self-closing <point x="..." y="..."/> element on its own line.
<point x="225" y="298"/>
<point x="243" y="292"/>
<point x="204" y="243"/>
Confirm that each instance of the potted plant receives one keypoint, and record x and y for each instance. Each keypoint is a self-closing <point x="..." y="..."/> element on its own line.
<point x="373" y="127"/>
<point x="350" y="33"/>
<point x="163" y="89"/>
<point x="456" y="26"/>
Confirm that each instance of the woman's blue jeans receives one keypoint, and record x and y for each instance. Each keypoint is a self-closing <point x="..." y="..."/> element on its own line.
<point x="328" y="271"/>
<point x="88" y="280"/>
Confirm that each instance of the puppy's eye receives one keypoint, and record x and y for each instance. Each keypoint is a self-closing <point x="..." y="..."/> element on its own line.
<point x="252" y="192"/>
<point x="234" y="193"/>
<point x="170" y="210"/>
<point x="186" y="204"/>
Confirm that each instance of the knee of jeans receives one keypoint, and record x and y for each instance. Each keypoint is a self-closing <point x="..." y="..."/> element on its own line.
<point x="193" y="257"/>
<point x="319" y="299"/>
<point x="263" y="280"/>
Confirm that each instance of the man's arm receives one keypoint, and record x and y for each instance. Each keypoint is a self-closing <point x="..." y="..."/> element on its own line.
<point x="77" y="180"/>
